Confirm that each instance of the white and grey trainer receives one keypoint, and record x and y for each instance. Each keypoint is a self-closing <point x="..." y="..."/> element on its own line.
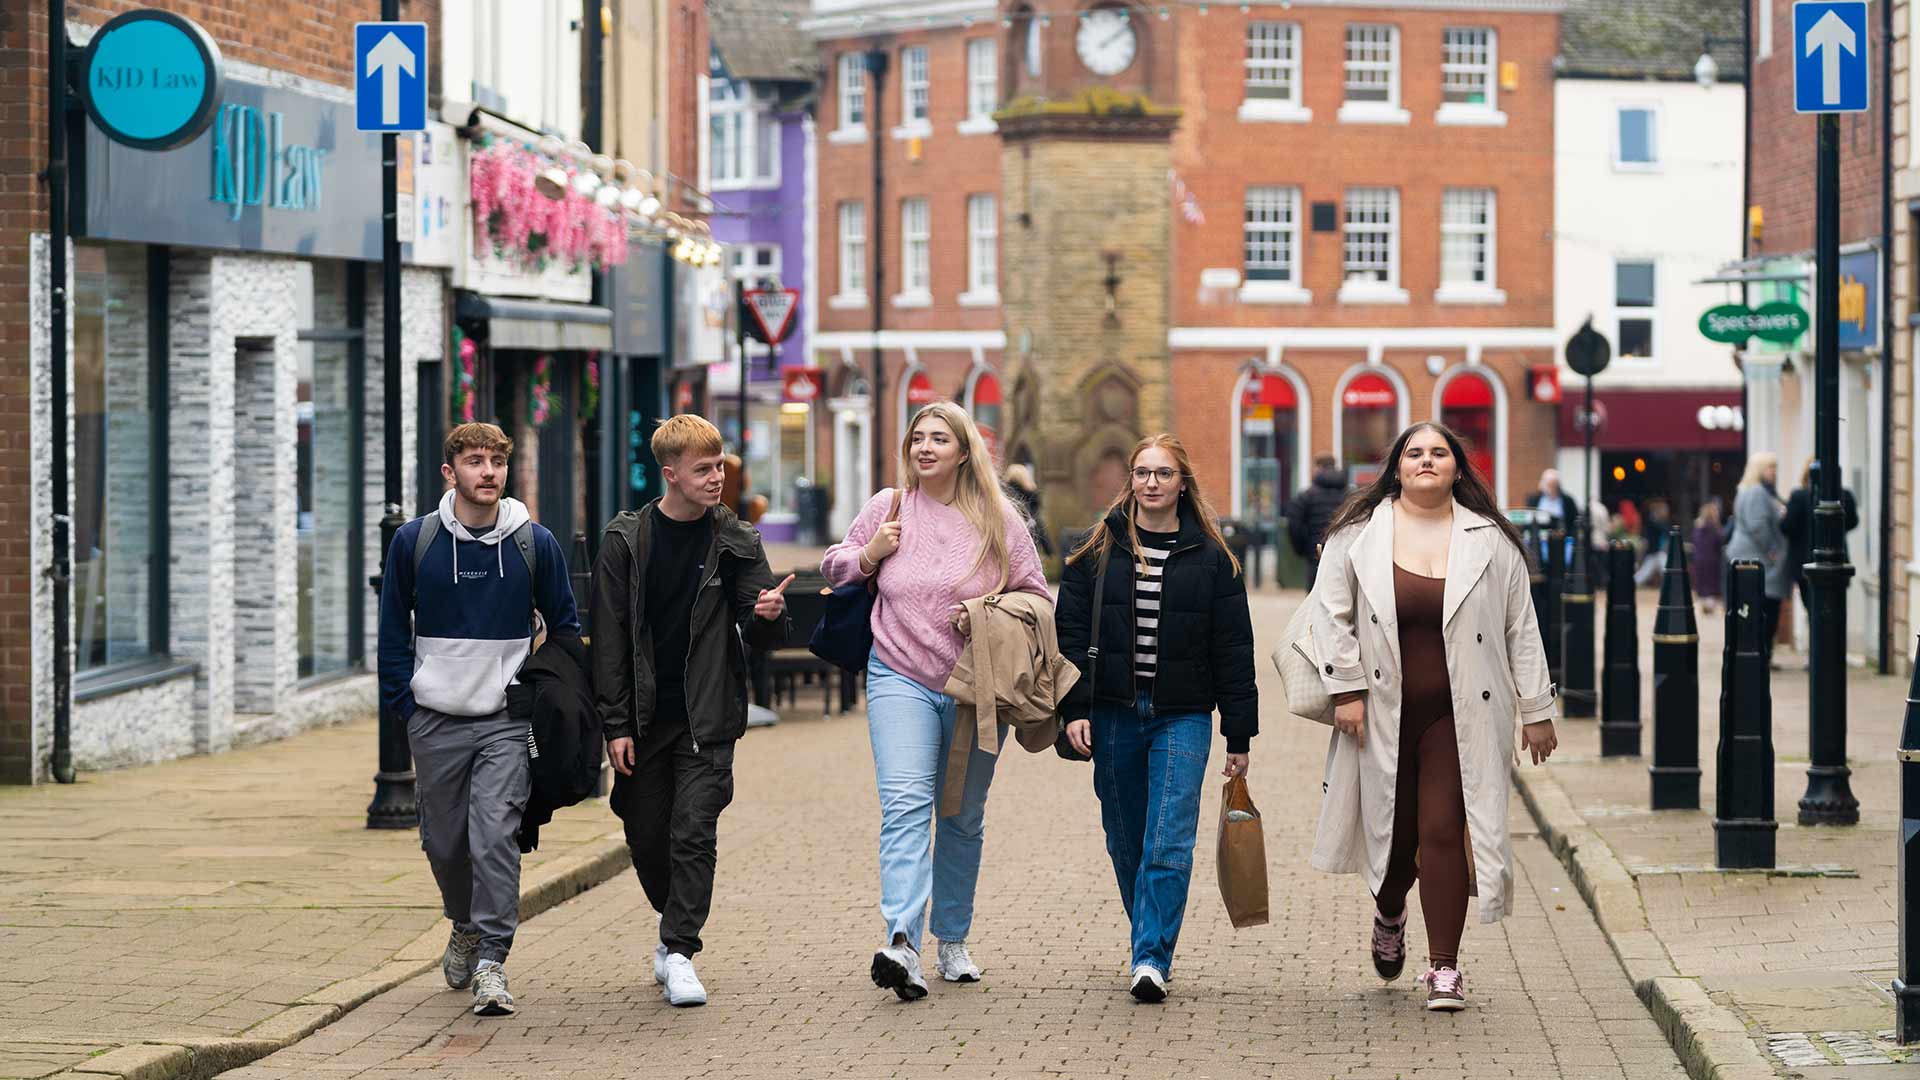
<point x="897" y="968"/>
<point x="490" y="994"/>
<point x="660" y="965"/>
<point x="1149" y="985"/>
<point x="954" y="964"/>
<point x="457" y="962"/>
<point x="683" y="987"/>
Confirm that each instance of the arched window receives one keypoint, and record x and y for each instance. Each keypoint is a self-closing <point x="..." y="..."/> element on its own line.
<point x="1269" y="444"/>
<point x="984" y="402"/>
<point x="1369" y="422"/>
<point x="1467" y="405"/>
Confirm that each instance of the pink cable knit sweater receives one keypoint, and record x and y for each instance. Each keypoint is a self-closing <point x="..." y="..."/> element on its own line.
<point x="912" y="625"/>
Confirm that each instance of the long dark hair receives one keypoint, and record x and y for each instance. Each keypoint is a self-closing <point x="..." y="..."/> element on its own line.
<point x="1469" y="489"/>
<point x="1101" y="539"/>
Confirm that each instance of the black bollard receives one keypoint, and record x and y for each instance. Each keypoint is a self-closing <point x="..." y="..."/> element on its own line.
<point x="1676" y="688"/>
<point x="1620" y="680"/>
<point x="1576" y="630"/>
<point x="1743" y="824"/>
<point x="1547" y="603"/>
<point x="580" y="571"/>
<point x="1906" y="988"/>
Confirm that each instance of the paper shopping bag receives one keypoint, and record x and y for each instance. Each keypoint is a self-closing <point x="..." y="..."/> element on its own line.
<point x="1242" y="857"/>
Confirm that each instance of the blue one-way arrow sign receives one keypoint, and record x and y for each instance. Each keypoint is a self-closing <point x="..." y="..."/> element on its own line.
<point x="390" y="76"/>
<point x="1830" y="56"/>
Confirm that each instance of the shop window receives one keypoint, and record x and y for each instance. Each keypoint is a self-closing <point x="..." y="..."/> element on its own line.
<point x="329" y="493"/>
<point x="119" y="459"/>
<point x="1269" y="445"/>
<point x="1467" y="406"/>
<point x="1369" y="422"/>
<point x="984" y="402"/>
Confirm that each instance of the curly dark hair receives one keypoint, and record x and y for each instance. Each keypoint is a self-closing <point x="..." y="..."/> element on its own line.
<point x="1469" y="490"/>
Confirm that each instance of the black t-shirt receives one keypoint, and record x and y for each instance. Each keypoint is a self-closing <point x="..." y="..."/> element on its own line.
<point x="675" y="567"/>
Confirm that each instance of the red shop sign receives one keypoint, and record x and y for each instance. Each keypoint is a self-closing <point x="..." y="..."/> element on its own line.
<point x="920" y="390"/>
<point x="801" y="384"/>
<point x="1369" y="392"/>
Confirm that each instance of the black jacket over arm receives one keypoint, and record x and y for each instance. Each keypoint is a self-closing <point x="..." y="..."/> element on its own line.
<point x="1206" y="633"/>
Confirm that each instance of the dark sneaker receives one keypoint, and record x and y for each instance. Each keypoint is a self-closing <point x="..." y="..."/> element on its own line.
<point x="897" y="968"/>
<point x="457" y="962"/>
<point x="1446" y="989"/>
<point x="1389" y="945"/>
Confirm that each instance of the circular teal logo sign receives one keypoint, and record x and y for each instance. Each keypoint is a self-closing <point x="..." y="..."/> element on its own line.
<point x="152" y="79"/>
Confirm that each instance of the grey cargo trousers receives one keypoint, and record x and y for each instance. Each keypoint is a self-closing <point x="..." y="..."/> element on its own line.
<point x="472" y="780"/>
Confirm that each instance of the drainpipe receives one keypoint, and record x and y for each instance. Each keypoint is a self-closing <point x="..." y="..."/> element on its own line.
<point x="1746" y="204"/>
<point x="876" y="96"/>
<point x="60" y="570"/>
<point x="1886" y="336"/>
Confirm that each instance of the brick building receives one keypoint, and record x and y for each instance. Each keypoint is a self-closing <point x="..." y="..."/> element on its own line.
<point x="1353" y="212"/>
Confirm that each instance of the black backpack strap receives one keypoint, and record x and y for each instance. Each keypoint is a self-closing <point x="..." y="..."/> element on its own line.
<point x="1093" y="636"/>
<point x="430" y="528"/>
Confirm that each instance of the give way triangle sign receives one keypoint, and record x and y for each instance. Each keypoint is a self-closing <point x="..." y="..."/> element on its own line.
<point x="773" y="313"/>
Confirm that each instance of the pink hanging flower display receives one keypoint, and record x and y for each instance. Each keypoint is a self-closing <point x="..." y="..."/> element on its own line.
<point x="463" y="394"/>
<point x="513" y="220"/>
<point x="540" y="393"/>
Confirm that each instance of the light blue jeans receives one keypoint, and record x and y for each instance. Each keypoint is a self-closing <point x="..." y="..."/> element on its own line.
<point x="912" y="730"/>
<point x="1147" y="770"/>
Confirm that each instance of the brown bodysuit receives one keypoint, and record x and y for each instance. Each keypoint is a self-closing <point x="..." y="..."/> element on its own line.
<point x="1430" y="814"/>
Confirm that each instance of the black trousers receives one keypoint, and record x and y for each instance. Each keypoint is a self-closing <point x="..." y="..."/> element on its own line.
<point x="670" y="808"/>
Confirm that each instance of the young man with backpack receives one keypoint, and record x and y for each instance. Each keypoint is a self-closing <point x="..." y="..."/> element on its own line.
<point x="457" y="603"/>
<point x="674" y="586"/>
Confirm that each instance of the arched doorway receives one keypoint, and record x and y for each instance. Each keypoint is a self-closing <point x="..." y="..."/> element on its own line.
<point x="984" y="403"/>
<point x="1469" y="407"/>
<point x="1370" y="407"/>
<point x="1269" y="444"/>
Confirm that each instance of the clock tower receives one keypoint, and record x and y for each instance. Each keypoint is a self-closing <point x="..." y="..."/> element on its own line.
<point x="1086" y="149"/>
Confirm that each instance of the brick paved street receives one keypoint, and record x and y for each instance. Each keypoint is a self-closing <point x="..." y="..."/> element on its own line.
<point x="795" y="922"/>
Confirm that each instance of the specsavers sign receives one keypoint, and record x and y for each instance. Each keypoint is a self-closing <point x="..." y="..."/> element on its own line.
<point x="1779" y="322"/>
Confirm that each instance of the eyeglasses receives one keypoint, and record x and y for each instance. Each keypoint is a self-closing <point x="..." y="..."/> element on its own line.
<point x="1165" y="476"/>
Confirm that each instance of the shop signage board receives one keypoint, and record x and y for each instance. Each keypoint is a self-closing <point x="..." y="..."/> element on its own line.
<point x="1859" y="300"/>
<point x="1778" y="321"/>
<point x="390" y="76"/>
<point x="804" y="385"/>
<point x="153" y="79"/>
<point x="1830" y="69"/>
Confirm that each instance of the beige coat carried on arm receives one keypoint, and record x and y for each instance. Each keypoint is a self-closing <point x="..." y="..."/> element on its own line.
<point x="1495" y="663"/>
<point x="1010" y="673"/>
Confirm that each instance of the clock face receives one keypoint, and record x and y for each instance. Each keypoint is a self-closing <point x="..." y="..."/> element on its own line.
<point x="1106" y="41"/>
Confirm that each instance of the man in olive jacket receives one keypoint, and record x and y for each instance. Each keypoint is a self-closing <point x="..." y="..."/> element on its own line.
<point x="674" y="587"/>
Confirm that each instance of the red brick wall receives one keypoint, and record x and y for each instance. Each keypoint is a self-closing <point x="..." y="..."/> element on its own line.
<point x="1781" y="167"/>
<point x="686" y="62"/>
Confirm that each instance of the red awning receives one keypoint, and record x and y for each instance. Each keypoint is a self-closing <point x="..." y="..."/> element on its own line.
<point x="1654" y="419"/>
<point x="1468" y="391"/>
<point x="1273" y="391"/>
<point x="1369" y="391"/>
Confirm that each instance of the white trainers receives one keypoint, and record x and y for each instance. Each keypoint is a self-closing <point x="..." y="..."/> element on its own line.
<point x="1149" y="985"/>
<point x="660" y="965"/>
<point x="897" y="968"/>
<point x="490" y="994"/>
<point x="683" y="986"/>
<point x="954" y="964"/>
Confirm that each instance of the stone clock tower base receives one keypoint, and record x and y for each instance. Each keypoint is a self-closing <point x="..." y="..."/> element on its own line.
<point x="1085" y="234"/>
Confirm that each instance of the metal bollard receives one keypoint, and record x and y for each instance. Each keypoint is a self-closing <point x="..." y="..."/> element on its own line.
<point x="1547" y="602"/>
<point x="1743" y="824"/>
<point x="580" y="571"/>
<point x="1676" y="689"/>
<point x="1906" y="988"/>
<point x="1620" y="702"/>
<point x="1576" y="631"/>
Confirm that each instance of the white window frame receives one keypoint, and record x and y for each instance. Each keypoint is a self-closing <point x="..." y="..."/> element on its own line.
<point x="1471" y="292"/>
<point x="1654" y="124"/>
<point x="1283" y="38"/>
<point x="1485" y="113"/>
<point x="743" y="106"/>
<point x="1366" y="291"/>
<point x="1372" y="112"/>
<point x="850" y="94"/>
<point x="916" y="254"/>
<point x="1649" y="313"/>
<point x="983" y="252"/>
<point x="852" y="219"/>
<point x="1277" y="199"/>
<point x="983" y="86"/>
<point x="916" y="92"/>
<point x="740" y="268"/>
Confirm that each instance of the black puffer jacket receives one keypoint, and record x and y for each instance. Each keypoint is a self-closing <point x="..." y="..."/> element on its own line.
<point x="1312" y="511"/>
<point x="1206" y="634"/>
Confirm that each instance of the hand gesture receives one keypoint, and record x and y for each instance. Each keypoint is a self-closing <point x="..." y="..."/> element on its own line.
<point x="886" y="541"/>
<point x="773" y="602"/>
<point x="1539" y="740"/>
<point x="1351" y="717"/>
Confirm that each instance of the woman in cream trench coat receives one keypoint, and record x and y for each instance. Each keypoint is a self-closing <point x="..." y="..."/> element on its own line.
<point x="1495" y="666"/>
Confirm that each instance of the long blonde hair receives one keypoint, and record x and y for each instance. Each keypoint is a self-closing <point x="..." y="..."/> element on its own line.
<point x="1756" y="465"/>
<point x="1100" y="540"/>
<point x="977" y="493"/>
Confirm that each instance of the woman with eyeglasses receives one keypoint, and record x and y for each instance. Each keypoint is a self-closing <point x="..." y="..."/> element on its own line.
<point x="1174" y="642"/>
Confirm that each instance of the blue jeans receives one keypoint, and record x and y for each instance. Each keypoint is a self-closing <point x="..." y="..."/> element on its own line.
<point x="1147" y="770"/>
<point x="912" y="731"/>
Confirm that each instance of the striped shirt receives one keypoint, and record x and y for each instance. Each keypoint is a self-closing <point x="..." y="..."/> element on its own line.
<point x="1154" y="549"/>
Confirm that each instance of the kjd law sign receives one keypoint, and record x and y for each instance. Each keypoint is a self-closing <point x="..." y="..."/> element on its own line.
<point x="153" y="79"/>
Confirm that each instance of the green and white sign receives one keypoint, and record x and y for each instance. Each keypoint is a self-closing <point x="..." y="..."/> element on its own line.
<point x="1778" y="321"/>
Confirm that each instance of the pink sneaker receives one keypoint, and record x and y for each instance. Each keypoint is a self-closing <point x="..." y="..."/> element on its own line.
<point x="1389" y="945"/>
<point x="1446" y="989"/>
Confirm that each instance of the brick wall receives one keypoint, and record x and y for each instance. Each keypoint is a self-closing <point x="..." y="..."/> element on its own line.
<point x="686" y="61"/>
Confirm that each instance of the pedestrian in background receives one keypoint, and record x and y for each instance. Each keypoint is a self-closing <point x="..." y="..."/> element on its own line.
<point x="1797" y="525"/>
<point x="1709" y="564"/>
<point x="1425" y="630"/>
<point x="1550" y="499"/>
<point x="956" y="537"/>
<point x="457" y="603"/>
<point x="1026" y="498"/>
<point x="1312" y="508"/>
<point x="670" y="678"/>
<point x="1758" y="535"/>
<point x="1178" y="640"/>
<point x="1654" y="533"/>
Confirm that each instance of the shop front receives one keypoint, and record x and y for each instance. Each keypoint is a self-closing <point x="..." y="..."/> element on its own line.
<point x="1679" y="445"/>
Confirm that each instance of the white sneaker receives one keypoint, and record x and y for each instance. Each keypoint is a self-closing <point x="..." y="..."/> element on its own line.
<point x="683" y="986"/>
<point x="955" y="965"/>
<point x="490" y="994"/>
<point x="660" y="965"/>
<point x="1149" y="985"/>
<point x="897" y="968"/>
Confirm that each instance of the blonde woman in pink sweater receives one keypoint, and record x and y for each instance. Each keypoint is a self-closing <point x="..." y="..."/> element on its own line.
<point x="957" y="537"/>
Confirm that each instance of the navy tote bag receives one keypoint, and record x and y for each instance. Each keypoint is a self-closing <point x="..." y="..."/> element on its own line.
<point x="844" y="635"/>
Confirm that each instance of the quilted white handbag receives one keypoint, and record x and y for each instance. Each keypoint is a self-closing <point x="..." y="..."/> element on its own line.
<point x="1298" y="663"/>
